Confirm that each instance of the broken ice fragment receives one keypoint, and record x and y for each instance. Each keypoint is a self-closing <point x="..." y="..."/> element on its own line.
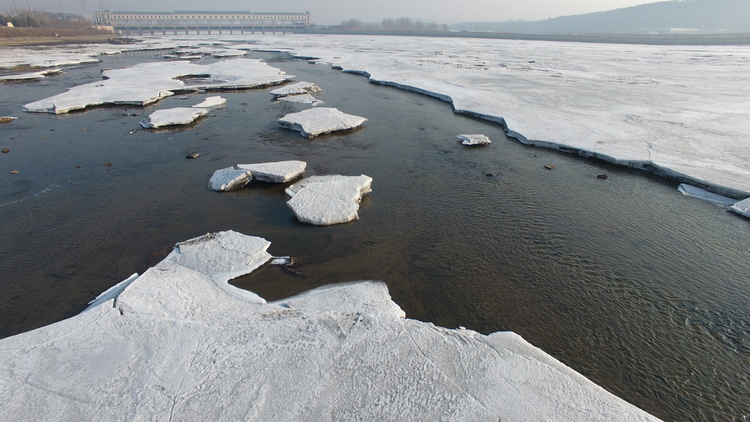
<point x="326" y="200"/>
<point x="317" y="121"/>
<point x="173" y="116"/>
<point x="276" y="172"/>
<point x="742" y="207"/>
<point x="298" y="88"/>
<point x="211" y="102"/>
<point x="474" y="139"/>
<point x="229" y="178"/>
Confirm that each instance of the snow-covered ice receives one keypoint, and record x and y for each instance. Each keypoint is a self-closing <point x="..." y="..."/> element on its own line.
<point x="276" y="172"/>
<point x="30" y="76"/>
<point x="173" y="117"/>
<point x="696" y="192"/>
<point x="301" y="99"/>
<point x="742" y="207"/>
<point x="298" y="88"/>
<point x="476" y="139"/>
<point x="180" y="343"/>
<point x="321" y="120"/>
<point x="326" y="200"/>
<point x="648" y="107"/>
<point x="150" y="82"/>
<point x="229" y="178"/>
<point x="211" y="102"/>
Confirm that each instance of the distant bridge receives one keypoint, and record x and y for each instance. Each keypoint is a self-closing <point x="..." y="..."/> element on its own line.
<point x="155" y="23"/>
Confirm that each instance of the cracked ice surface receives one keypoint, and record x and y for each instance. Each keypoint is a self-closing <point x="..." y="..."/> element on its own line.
<point x="629" y="104"/>
<point x="179" y="343"/>
<point x="150" y="82"/>
<point x="319" y="121"/>
<point x="326" y="200"/>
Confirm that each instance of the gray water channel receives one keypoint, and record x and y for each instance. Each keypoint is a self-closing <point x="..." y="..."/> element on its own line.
<point x="644" y="291"/>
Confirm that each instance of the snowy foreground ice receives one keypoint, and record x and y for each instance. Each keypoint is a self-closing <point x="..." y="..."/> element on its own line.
<point x="650" y="107"/>
<point x="319" y="121"/>
<point x="179" y="343"/>
<point x="150" y="82"/>
<point x="327" y="200"/>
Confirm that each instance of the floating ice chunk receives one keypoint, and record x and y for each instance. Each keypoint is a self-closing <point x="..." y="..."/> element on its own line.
<point x="326" y="200"/>
<point x="212" y="102"/>
<point x="276" y="172"/>
<point x="696" y="192"/>
<point x="173" y="117"/>
<point x="180" y="342"/>
<point x="7" y="119"/>
<point x="301" y="99"/>
<point x="32" y="76"/>
<point x="742" y="207"/>
<point x="317" y="121"/>
<point x="150" y="82"/>
<point x="229" y="178"/>
<point x="298" y="88"/>
<point x="474" y="139"/>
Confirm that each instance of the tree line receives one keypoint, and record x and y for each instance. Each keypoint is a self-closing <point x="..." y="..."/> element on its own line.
<point x="32" y="19"/>
<point x="389" y="24"/>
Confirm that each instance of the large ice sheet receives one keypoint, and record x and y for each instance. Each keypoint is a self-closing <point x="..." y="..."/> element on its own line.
<point x="326" y="200"/>
<point x="150" y="82"/>
<point x="321" y="120"/>
<point x="276" y="172"/>
<point x="178" y="343"/>
<point x="649" y="107"/>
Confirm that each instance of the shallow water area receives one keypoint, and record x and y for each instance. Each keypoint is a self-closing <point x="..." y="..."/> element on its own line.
<point x="639" y="288"/>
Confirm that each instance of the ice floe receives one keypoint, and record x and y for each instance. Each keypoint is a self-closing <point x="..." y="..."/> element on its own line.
<point x="229" y="178"/>
<point x="326" y="200"/>
<point x="180" y="343"/>
<point x="150" y="82"/>
<point x="173" y="117"/>
<point x="644" y="106"/>
<point x="321" y="120"/>
<point x="276" y="172"/>
<point x="742" y="207"/>
<point x="298" y="88"/>
<point x="474" y="139"/>
<point x="7" y="119"/>
<point x="211" y="102"/>
<point x="30" y="76"/>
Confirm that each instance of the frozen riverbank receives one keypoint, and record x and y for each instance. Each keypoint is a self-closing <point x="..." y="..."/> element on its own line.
<point x="648" y="107"/>
<point x="217" y="352"/>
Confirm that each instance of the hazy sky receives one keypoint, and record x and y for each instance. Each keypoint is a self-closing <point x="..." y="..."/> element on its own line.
<point x="334" y="11"/>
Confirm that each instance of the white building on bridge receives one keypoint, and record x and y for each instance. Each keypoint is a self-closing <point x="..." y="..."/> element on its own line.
<point x="153" y="23"/>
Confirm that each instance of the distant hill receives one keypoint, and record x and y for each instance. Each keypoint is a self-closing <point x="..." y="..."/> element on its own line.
<point x="685" y="16"/>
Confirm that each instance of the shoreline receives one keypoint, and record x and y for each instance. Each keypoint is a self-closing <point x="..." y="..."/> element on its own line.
<point x="18" y="37"/>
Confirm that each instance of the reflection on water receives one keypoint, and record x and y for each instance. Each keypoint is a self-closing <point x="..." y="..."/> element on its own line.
<point x="637" y="287"/>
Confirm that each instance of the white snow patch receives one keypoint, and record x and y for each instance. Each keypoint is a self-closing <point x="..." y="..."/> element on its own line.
<point x="150" y="82"/>
<point x="474" y="139"/>
<point x="173" y="117"/>
<point x="211" y="102"/>
<point x="318" y="121"/>
<point x="229" y="178"/>
<point x="326" y="200"/>
<point x="696" y="192"/>
<point x="181" y="344"/>
<point x="276" y="172"/>
<point x="742" y="207"/>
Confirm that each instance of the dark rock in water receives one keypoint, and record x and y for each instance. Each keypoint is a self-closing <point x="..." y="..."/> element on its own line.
<point x="5" y="150"/>
<point x="192" y="156"/>
<point x="107" y="164"/>
<point x="602" y="176"/>
<point x="490" y="174"/>
<point x="548" y="167"/>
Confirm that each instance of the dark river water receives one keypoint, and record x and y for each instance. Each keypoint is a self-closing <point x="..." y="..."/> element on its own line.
<point x="641" y="289"/>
